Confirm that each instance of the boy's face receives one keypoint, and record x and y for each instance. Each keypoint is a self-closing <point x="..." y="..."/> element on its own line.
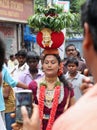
<point x="32" y="63"/>
<point x="21" y="60"/>
<point x="72" y="68"/>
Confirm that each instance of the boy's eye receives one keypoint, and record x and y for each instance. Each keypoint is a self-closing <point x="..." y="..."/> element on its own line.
<point x="71" y="66"/>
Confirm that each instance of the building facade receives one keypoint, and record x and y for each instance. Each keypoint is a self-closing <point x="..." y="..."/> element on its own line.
<point x="13" y="18"/>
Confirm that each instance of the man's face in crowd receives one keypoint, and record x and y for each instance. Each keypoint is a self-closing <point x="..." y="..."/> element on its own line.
<point x="71" y="51"/>
<point x="21" y="60"/>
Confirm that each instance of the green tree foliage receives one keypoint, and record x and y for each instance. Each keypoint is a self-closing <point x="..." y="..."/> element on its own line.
<point x="42" y="3"/>
<point x="75" y="5"/>
<point x="75" y="9"/>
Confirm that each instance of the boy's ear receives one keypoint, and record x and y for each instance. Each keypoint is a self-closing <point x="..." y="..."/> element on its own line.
<point x="88" y="41"/>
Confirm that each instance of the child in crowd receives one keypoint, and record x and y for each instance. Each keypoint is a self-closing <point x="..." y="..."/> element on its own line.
<point x="74" y="76"/>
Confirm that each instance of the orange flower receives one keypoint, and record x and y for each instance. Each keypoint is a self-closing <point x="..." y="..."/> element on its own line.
<point x="60" y="71"/>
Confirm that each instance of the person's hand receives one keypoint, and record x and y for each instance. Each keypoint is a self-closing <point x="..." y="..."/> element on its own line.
<point x="16" y="126"/>
<point x="28" y="123"/>
<point x="33" y="122"/>
<point x="86" y="72"/>
<point x="86" y="85"/>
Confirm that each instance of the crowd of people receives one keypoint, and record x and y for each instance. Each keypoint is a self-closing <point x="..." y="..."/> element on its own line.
<point x="62" y="92"/>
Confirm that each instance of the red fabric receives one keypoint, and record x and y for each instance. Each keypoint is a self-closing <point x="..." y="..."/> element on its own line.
<point x="56" y="37"/>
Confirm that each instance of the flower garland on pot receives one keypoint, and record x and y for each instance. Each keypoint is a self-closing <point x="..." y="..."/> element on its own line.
<point x="54" y="105"/>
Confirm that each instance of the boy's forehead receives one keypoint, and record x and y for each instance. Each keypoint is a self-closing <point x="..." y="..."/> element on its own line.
<point x="32" y="59"/>
<point x="20" y="56"/>
<point x="72" y="64"/>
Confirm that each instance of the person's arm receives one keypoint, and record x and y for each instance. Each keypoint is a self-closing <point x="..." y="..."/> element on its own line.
<point x="6" y="90"/>
<point x="72" y="101"/>
<point x="10" y="81"/>
<point x="69" y="102"/>
<point x="22" y="85"/>
<point x="0" y="78"/>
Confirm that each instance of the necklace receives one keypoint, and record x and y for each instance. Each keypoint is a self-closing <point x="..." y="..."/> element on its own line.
<point x="51" y="80"/>
<point x="49" y="96"/>
<point x="54" y="104"/>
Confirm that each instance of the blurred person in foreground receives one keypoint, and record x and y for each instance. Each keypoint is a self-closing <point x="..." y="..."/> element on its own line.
<point x="2" y="59"/>
<point x="5" y="76"/>
<point x="83" y="115"/>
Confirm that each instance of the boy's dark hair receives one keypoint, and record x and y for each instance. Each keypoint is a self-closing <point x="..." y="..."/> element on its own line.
<point x="22" y="53"/>
<point x="11" y="56"/>
<point x="2" y="53"/>
<point x="32" y="55"/>
<point x="89" y="15"/>
<point x="72" y="60"/>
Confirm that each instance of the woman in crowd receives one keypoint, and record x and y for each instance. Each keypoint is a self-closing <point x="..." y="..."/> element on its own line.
<point x="51" y="92"/>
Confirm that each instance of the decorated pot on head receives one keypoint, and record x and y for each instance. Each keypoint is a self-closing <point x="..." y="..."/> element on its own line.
<point x="49" y="21"/>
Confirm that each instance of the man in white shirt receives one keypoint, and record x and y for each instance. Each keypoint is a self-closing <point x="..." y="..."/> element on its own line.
<point x="21" y="67"/>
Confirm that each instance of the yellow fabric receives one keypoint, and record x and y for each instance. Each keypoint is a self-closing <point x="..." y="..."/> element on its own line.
<point x="10" y="101"/>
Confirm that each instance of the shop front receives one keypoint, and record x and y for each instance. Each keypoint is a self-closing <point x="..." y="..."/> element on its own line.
<point x="13" y="18"/>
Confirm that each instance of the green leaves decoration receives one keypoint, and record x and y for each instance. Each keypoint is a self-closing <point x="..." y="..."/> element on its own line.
<point x="51" y="17"/>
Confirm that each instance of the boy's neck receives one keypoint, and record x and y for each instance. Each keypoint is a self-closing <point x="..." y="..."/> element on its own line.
<point x="72" y="75"/>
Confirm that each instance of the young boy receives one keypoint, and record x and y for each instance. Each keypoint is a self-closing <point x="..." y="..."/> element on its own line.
<point x="74" y="76"/>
